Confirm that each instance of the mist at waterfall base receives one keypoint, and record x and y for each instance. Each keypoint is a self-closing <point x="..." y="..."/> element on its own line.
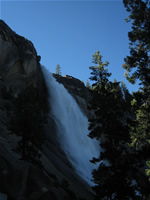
<point x="72" y="127"/>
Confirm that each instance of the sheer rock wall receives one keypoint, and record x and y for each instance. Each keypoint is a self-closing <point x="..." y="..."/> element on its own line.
<point x="20" y="180"/>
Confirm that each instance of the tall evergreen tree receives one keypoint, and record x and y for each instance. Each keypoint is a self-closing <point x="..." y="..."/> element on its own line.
<point x="139" y="37"/>
<point x="99" y="74"/>
<point x="137" y="67"/>
<point x="112" y="176"/>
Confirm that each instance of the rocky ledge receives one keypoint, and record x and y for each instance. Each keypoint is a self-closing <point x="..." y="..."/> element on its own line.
<point x="77" y="89"/>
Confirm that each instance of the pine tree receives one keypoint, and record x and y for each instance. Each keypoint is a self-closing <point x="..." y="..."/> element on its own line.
<point x="99" y="74"/>
<point x="87" y="84"/>
<point x="126" y="96"/>
<point x="58" y="70"/>
<point x="139" y="37"/>
<point x="112" y="176"/>
<point x="137" y="67"/>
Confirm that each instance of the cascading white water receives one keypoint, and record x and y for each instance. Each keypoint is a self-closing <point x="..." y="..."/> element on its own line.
<point x="72" y="127"/>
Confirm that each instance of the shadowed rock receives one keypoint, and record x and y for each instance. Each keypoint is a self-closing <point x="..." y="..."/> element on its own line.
<point x="20" y="180"/>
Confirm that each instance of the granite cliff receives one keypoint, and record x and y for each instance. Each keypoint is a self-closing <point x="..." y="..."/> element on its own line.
<point x="20" y="70"/>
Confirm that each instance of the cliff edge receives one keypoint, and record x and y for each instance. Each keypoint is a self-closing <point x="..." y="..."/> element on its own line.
<point x="20" y="72"/>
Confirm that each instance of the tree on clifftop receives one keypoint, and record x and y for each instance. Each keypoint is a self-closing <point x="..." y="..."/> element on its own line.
<point x="58" y="70"/>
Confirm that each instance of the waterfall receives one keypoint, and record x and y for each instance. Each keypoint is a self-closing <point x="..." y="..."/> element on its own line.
<point x="72" y="127"/>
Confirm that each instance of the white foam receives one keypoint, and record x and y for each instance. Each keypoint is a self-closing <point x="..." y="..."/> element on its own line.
<point x="72" y="127"/>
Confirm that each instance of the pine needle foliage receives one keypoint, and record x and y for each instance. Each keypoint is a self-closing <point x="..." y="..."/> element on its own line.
<point x="137" y="66"/>
<point x="112" y="177"/>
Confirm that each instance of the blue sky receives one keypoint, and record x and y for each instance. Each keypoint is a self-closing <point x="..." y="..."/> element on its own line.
<point x="69" y="32"/>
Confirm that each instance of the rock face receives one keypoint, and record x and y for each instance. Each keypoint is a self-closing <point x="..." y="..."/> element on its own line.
<point x="21" y="180"/>
<point x="78" y="90"/>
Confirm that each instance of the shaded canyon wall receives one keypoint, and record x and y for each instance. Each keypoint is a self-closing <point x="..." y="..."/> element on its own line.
<point x="20" y="70"/>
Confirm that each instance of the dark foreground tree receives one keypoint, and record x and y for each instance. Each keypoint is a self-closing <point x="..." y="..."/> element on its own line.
<point x="112" y="178"/>
<point x="137" y="67"/>
<point x="27" y="121"/>
<point x="139" y="59"/>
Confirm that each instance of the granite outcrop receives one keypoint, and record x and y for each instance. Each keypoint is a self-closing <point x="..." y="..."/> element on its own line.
<point x="20" y="70"/>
